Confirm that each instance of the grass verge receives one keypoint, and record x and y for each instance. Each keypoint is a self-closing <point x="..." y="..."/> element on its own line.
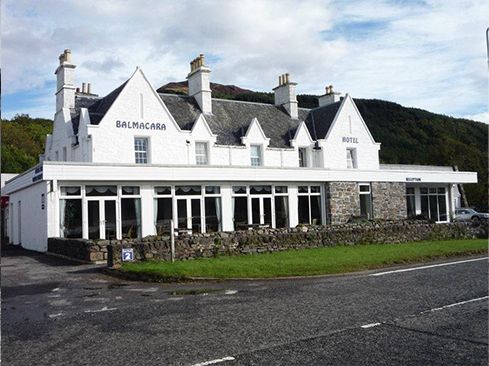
<point x="305" y="262"/>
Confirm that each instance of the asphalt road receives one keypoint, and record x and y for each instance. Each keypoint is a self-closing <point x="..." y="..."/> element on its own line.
<point x="57" y="313"/>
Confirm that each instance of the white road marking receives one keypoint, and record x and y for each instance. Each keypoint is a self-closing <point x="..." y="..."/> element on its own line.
<point x="55" y="289"/>
<point x="230" y="292"/>
<point x="175" y="298"/>
<point x="105" y="308"/>
<point x="371" y="325"/>
<point x="458" y="304"/>
<point x="53" y="296"/>
<point x="150" y="289"/>
<point x="118" y="297"/>
<point x="55" y="315"/>
<point x="430" y="266"/>
<point x="212" y="362"/>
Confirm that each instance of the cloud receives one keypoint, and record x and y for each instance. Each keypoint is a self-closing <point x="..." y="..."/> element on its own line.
<point x="417" y="53"/>
<point x="479" y="117"/>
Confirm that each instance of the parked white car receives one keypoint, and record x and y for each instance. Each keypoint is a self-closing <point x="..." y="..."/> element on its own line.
<point x="469" y="214"/>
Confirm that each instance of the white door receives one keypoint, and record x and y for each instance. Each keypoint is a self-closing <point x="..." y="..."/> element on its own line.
<point x="102" y="218"/>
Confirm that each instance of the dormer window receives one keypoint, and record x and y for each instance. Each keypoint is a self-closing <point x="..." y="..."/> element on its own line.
<point x="255" y="151"/>
<point x="351" y="158"/>
<point x="302" y="157"/>
<point x="201" y="157"/>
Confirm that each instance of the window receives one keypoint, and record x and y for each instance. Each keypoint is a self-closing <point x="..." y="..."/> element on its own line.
<point x="188" y="190"/>
<point x="281" y="201"/>
<point x="65" y="154"/>
<point x="351" y="158"/>
<point x="433" y="203"/>
<point x="213" y="209"/>
<point x="201" y="153"/>
<point x="141" y="150"/>
<point x="365" y="201"/>
<point x="163" y="209"/>
<point x="302" y="157"/>
<point x="130" y="212"/>
<point x="255" y="155"/>
<point x="70" y="212"/>
<point x="309" y="205"/>
<point x="240" y="207"/>
<point x="410" y="203"/>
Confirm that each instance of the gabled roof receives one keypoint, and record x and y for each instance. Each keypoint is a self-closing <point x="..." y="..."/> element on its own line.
<point x="230" y="119"/>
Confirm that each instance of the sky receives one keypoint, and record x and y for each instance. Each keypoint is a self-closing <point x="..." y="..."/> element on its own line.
<point x="425" y="54"/>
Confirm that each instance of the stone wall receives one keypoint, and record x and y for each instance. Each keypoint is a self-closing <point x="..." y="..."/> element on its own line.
<point x="262" y="240"/>
<point x="272" y="240"/>
<point x="79" y="249"/>
<point x="343" y="201"/>
<point x="389" y="200"/>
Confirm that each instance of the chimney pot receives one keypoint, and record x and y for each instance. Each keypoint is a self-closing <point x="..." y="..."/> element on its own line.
<point x="88" y="88"/>
<point x="286" y="78"/>
<point x="67" y="55"/>
<point x="84" y="88"/>
<point x="77" y="90"/>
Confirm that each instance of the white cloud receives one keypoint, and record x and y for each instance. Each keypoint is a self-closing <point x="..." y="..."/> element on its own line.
<point x="422" y="54"/>
<point x="479" y="117"/>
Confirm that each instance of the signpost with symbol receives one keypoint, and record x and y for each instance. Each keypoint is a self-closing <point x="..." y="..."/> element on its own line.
<point x="127" y="254"/>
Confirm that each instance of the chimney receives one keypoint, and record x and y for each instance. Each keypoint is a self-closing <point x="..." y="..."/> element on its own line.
<point x="88" y="89"/>
<point x="329" y="97"/>
<point x="285" y="95"/>
<point x="199" y="84"/>
<point x="65" y="89"/>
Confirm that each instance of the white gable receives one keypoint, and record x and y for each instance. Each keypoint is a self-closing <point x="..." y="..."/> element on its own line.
<point x="349" y="131"/>
<point x="302" y="136"/>
<point x="255" y="134"/>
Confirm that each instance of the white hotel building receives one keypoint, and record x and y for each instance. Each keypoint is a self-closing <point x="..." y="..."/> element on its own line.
<point x="132" y="162"/>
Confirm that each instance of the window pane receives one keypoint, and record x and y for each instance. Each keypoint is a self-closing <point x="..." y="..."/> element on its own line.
<point x="315" y="189"/>
<point x="303" y="189"/>
<point x="267" y="211"/>
<point x="164" y="214"/>
<point x="432" y="190"/>
<point x="239" y="189"/>
<point x="213" y="214"/>
<point x="101" y="191"/>
<point x="110" y="219"/>
<point x="131" y="217"/>
<point x="423" y="190"/>
<point x="411" y="207"/>
<point x="188" y="190"/>
<point x="212" y="190"/>
<point x="260" y="189"/>
<point x="255" y="210"/>
<point x="240" y="217"/>
<point x="364" y="188"/>
<point x="424" y="207"/>
<point x="70" y="191"/>
<point x="433" y="208"/>
<point x="316" y="210"/>
<point x="442" y="205"/>
<point x="366" y="206"/>
<point x="163" y="190"/>
<point x="71" y="218"/>
<point x="93" y="220"/>
<point x="441" y="190"/>
<point x="196" y="216"/>
<point x="182" y="213"/>
<point x="409" y="190"/>
<point x="302" y="157"/>
<point x="281" y="211"/>
<point x="281" y="189"/>
<point x="129" y="191"/>
<point x="255" y="151"/>
<point x="303" y="210"/>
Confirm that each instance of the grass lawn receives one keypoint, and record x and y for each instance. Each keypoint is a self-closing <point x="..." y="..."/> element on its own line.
<point x="308" y="262"/>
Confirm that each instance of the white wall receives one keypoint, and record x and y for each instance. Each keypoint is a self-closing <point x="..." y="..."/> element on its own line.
<point x="33" y="219"/>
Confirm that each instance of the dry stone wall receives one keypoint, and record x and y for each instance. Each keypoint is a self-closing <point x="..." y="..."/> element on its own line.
<point x="262" y="240"/>
<point x="389" y="200"/>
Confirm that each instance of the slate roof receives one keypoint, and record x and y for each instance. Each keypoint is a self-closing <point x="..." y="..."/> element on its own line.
<point x="230" y="119"/>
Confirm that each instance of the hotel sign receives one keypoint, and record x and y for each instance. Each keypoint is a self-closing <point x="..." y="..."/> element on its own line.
<point x="353" y="140"/>
<point x="132" y="125"/>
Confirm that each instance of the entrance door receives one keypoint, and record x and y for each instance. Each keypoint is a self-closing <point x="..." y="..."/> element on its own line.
<point x="261" y="210"/>
<point x="189" y="214"/>
<point x="102" y="219"/>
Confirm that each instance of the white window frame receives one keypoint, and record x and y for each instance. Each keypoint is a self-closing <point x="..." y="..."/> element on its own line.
<point x="136" y="152"/>
<point x="309" y="194"/>
<point x="202" y="158"/>
<point x="369" y="193"/>
<point x="256" y="158"/>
